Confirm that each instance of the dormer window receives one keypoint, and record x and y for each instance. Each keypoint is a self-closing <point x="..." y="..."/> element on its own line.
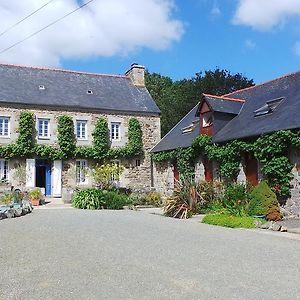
<point x="207" y="119"/>
<point x="269" y="107"/>
<point x="89" y="92"/>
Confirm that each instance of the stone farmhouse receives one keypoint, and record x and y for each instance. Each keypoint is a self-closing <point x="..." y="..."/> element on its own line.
<point x="242" y="115"/>
<point x="86" y="97"/>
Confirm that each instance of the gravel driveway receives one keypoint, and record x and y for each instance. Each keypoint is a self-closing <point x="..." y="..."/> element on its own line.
<point x="75" y="254"/>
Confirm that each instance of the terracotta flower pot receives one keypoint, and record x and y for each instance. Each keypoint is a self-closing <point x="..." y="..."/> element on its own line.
<point x="35" y="202"/>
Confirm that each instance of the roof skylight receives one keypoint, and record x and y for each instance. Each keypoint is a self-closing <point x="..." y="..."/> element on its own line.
<point x="41" y="87"/>
<point x="269" y="107"/>
<point x="90" y="92"/>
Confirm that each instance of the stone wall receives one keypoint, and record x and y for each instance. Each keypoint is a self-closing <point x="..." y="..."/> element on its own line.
<point x="136" y="177"/>
<point x="163" y="175"/>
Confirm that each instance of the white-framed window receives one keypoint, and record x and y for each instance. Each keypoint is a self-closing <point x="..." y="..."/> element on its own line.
<point x="81" y="171"/>
<point x="115" y="131"/>
<point x="4" y="126"/>
<point x="115" y="177"/>
<point x="81" y="129"/>
<point x="207" y="119"/>
<point x="43" y="128"/>
<point x="4" y="172"/>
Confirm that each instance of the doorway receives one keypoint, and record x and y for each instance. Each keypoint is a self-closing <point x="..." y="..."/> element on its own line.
<point x="43" y="175"/>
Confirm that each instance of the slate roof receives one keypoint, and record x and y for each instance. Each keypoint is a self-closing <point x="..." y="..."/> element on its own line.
<point x="175" y="138"/>
<point x="68" y="89"/>
<point x="224" y="104"/>
<point x="285" y="116"/>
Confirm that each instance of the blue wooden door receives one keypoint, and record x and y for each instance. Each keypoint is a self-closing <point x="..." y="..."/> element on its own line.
<point x="48" y="180"/>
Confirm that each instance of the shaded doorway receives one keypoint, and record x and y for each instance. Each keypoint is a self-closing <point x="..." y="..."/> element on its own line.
<point x="43" y="175"/>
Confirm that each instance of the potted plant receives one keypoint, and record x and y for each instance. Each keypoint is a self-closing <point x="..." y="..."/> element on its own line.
<point x="35" y="197"/>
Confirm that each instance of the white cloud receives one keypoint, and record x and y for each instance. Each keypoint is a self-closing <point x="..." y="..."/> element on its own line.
<point x="103" y="28"/>
<point x="265" y="14"/>
<point x="250" y="44"/>
<point x="216" y="11"/>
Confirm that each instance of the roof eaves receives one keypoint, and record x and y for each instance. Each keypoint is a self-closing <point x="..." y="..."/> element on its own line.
<point x="64" y="71"/>
<point x="262" y="83"/>
<point x="151" y="151"/>
<point x="224" y="98"/>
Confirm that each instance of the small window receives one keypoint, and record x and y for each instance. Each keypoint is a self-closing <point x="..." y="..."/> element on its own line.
<point x="206" y="119"/>
<point x="137" y="162"/>
<point x="81" y="171"/>
<point x="90" y="92"/>
<point x="43" y="128"/>
<point x="115" y="132"/>
<point x="81" y="129"/>
<point x="4" y="126"/>
<point x="268" y="107"/>
<point x="3" y="170"/>
<point x="114" y="177"/>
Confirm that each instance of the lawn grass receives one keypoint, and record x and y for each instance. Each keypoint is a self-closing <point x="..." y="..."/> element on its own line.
<point x="230" y="221"/>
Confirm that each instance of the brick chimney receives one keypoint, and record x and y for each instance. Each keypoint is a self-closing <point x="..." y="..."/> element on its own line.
<point x="137" y="74"/>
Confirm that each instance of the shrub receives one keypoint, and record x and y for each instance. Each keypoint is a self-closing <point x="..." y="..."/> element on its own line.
<point x="114" y="200"/>
<point x="274" y="214"/>
<point x="262" y="200"/>
<point x="236" y="200"/>
<point x="94" y="198"/>
<point x="209" y="192"/>
<point x="106" y="175"/>
<point x="137" y="199"/>
<point x="184" y="201"/>
<point x="230" y="221"/>
<point x="153" y="198"/>
<point x="7" y="198"/>
<point x="91" y="198"/>
<point x="177" y="207"/>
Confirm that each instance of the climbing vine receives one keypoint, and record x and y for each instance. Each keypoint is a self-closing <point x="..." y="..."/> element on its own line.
<point x="25" y="146"/>
<point x="271" y="150"/>
<point x="65" y="136"/>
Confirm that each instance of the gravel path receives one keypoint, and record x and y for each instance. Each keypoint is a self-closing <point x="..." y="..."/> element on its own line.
<point x="74" y="254"/>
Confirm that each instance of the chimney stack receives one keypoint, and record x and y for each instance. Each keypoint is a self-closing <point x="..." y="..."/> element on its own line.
<point x="137" y="74"/>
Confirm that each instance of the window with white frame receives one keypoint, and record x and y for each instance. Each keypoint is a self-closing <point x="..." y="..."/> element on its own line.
<point x="43" y="128"/>
<point x="3" y="170"/>
<point x="81" y="129"/>
<point x="81" y="171"/>
<point x="115" y="177"/>
<point x="4" y="126"/>
<point x="115" y="132"/>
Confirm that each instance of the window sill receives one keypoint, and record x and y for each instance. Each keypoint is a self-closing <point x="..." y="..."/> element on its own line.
<point x="4" y="137"/>
<point x="43" y="137"/>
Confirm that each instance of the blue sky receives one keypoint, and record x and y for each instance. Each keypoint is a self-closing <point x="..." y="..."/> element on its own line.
<point x="176" y="38"/>
<point x="210" y="40"/>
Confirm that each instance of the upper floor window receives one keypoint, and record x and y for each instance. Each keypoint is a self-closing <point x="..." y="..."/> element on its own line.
<point x="4" y="126"/>
<point x="115" y="132"/>
<point x="3" y="170"/>
<point x="207" y="119"/>
<point x="43" y="128"/>
<point x="81" y="171"/>
<point x="81" y="129"/>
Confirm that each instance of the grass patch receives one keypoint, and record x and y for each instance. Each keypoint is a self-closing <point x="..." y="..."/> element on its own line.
<point x="230" y="221"/>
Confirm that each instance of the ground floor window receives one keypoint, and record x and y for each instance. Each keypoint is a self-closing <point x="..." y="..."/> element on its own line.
<point x="81" y="171"/>
<point x="3" y="170"/>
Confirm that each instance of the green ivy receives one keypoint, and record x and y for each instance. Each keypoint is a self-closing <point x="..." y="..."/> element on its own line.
<point x="271" y="150"/>
<point x="65" y="136"/>
<point x="25" y="147"/>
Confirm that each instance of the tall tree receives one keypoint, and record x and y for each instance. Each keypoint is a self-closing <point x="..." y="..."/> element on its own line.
<point x="176" y="98"/>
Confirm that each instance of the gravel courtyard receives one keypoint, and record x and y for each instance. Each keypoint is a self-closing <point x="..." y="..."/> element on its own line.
<point x="75" y="254"/>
